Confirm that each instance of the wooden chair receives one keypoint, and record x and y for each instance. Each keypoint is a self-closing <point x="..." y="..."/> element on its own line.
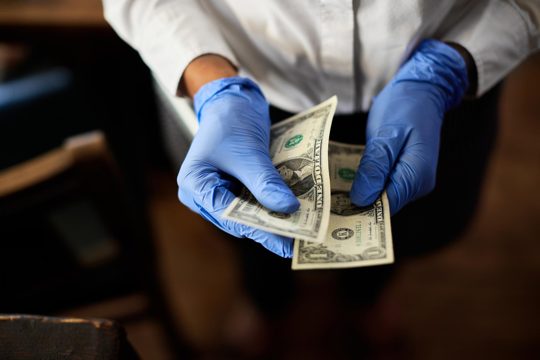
<point x="70" y="235"/>
<point x="71" y="197"/>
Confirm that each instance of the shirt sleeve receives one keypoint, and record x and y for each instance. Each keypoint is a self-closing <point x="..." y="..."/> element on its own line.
<point x="499" y="35"/>
<point x="168" y="34"/>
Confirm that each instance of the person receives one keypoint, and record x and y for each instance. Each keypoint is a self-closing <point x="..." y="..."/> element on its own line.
<point x="298" y="54"/>
<point x="401" y="71"/>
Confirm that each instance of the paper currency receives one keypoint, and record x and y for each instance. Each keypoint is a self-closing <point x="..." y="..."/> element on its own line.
<point x="355" y="236"/>
<point x="299" y="150"/>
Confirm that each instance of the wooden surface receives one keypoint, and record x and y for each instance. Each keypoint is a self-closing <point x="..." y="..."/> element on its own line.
<point x="56" y="13"/>
<point x="145" y="332"/>
<point x="42" y="337"/>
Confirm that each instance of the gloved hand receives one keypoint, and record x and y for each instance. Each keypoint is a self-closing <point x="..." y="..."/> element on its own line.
<point x="404" y="126"/>
<point x="233" y="140"/>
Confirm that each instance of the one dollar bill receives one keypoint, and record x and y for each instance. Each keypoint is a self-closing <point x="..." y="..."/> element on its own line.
<point x="355" y="236"/>
<point x="299" y="150"/>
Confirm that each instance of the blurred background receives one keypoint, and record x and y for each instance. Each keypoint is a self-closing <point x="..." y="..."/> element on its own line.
<point x="90" y="224"/>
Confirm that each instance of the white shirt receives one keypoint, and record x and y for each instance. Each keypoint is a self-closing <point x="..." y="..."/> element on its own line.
<point x="304" y="51"/>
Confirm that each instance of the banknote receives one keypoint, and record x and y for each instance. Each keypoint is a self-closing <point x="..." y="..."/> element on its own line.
<point x="356" y="236"/>
<point x="299" y="150"/>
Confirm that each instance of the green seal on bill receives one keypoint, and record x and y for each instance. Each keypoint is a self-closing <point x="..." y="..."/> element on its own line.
<point x="346" y="174"/>
<point x="295" y="140"/>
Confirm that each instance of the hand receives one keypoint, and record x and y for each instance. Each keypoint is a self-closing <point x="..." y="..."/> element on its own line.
<point x="404" y="125"/>
<point x="233" y="140"/>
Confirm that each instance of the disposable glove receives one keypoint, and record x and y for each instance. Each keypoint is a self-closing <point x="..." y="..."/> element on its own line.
<point x="404" y="126"/>
<point x="232" y="143"/>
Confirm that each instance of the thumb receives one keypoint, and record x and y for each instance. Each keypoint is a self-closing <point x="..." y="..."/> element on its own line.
<point x="267" y="185"/>
<point x="377" y="162"/>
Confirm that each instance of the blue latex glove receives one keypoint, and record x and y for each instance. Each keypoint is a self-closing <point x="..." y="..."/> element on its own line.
<point x="404" y="126"/>
<point x="233" y="139"/>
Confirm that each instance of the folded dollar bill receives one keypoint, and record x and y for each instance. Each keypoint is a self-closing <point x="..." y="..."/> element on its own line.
<point x="299" y="150"/>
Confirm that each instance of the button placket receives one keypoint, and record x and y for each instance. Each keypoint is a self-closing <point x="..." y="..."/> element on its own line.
<point x="337" y="50"/>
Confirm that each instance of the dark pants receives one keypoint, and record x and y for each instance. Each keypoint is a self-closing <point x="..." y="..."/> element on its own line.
<point x="421" y="227"/>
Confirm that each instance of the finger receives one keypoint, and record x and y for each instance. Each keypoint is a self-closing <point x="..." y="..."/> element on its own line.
<point x="279" y="245"/>
<point x="371" y="174"/>
<point x="411" y="178"/>
<point x="397" y="189"/>
<point x="204" y="191"/>
<point x="267" y="185"/>
<point x="207" y="193"/>
<point x="380" y="154"/>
